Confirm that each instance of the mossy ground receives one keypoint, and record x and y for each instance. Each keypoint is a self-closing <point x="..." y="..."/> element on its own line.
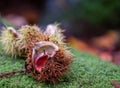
<point x="87" y="71"/>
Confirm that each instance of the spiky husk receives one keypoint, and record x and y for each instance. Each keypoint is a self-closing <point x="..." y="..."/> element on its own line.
<point x="57" y="66"/>
<point x="8" y="40"/>
<point x="54" y="67"/>
<point x="29" y="36"/>
<point x="59" y="60"/>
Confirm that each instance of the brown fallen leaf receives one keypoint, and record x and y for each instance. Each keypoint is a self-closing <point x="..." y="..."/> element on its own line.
<point x="107" y="40"/>
<point x="106" y="56"/>
<point x="115" y="84"/>
<point x="116" y="58"/>
<point x="81" y="45"/>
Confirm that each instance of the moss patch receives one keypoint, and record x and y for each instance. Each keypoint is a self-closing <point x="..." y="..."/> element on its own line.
<point x="87" y="71"/>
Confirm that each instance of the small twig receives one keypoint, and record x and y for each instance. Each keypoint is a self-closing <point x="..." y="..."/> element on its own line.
<point x="12" y="73"/>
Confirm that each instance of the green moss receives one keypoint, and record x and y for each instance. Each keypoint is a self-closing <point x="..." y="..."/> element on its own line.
<point x="87" y="71"/>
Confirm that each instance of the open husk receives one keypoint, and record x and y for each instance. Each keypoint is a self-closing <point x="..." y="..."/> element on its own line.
<point x="56" y="63"/>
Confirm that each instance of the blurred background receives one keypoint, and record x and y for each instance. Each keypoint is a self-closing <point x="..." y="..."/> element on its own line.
<point x="90" y="25"/>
